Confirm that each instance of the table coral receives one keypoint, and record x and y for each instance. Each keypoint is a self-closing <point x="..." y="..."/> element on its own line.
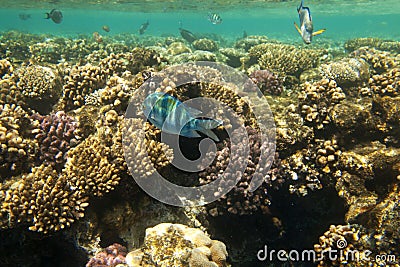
<point x="286" y="59"/>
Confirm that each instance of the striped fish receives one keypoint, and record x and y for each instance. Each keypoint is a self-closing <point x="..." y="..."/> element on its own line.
<point x="172" y="116"/>
<point x="214" y="18"/>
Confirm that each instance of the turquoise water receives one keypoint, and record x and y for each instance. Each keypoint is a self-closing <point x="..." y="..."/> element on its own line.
<point x="342" y="19"/>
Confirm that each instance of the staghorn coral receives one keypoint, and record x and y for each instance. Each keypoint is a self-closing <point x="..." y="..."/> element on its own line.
<point x="285" y="59"/>
<point x="111" y="256"/>
<point x="17" y="149"/>
<point x="40" y="86"/>
<point x="170" y="244"/>
<point x="317" y="100"/>
<point x="80" y="82"/>
<point x="205" y="44"/>
<point x="58" y="133"/>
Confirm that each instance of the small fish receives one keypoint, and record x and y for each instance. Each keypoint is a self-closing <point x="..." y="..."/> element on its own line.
<point x="187" y="35"/>
<point x="55" y="15"/>
<point x="172" y="116"/>
<point x="306" y="29"/>
<point x="143" y="27"/>
<point x="106" y="28"/>
<point x="97" y="37"/>
<point x="214" y="18"/>
<point x="24" y="16"/>
<point x="244" y="35"/>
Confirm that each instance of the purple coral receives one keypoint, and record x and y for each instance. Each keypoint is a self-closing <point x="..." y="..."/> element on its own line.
<point x="57" y="134"/>
<point x="267" y="81"/>
<point x="240" y="200"/>
<point x="111" y="256"/>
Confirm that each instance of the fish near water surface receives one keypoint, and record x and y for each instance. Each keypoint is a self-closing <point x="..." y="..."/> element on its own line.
<point x="214" y="18"/>
<point x="55" y="15"/>
<point x="174" y="117"/>
<point x="306" y="29"/>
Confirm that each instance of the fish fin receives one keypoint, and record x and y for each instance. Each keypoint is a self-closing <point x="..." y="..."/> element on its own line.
<point x="194" y="112"/>
<point x="192" y="133"/>
<point x="318" y="32"/>
<point x="209" y="133"/>
<point x="297" y="28"/>
<point x="47" y="15"/>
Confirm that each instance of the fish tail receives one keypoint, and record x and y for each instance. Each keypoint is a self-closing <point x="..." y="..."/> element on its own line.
<point x="47" y="15"/>
<point x="205" y="126"/>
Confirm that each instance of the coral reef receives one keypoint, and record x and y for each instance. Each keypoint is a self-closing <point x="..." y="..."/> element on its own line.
<point x="267" y="81"/>
<point x="377" y="43"/>
<point x="40" y="86"/>
<point x="205" y="44"/>
<point x="387" y="83"/>
<point x="111" y="256"/>
<point x="169" y="244"/>
<point x="17" y="151"/>
<point x="80" y="82"/>
<point x="346" y="72"/>
<point x="58" y="133"/>
<point x="318" y="99"/>
<point x="5" y="67"/>
<point x="240" y="200"/>
<point x="286" y="59"/>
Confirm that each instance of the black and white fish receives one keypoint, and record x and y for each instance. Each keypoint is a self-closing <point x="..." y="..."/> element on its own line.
<point x="214" y="18"/>
<point x="306" y="29"/>
<point x="143" y="27"/>
<point x="55" y="15"/>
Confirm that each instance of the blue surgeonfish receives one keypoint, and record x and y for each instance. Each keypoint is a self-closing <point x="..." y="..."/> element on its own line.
<point x="306" y="28"/>
<point x="172" y="116"/>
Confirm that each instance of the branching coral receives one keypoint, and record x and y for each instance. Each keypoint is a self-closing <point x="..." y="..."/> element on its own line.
<point x="387" y="83"/>
<point x="80" y="82"/>
<point x="39" y="85"/>
<point x="44" y="200"/>
<point x="377" y="43"/>
<point x="267" y="81"/>
<point x="5" y="67"/>
<point x="17" y="150"/>
<point x="240" y="200"/>
<point x="58" y="133"/>
<point x="318" y="99"/>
